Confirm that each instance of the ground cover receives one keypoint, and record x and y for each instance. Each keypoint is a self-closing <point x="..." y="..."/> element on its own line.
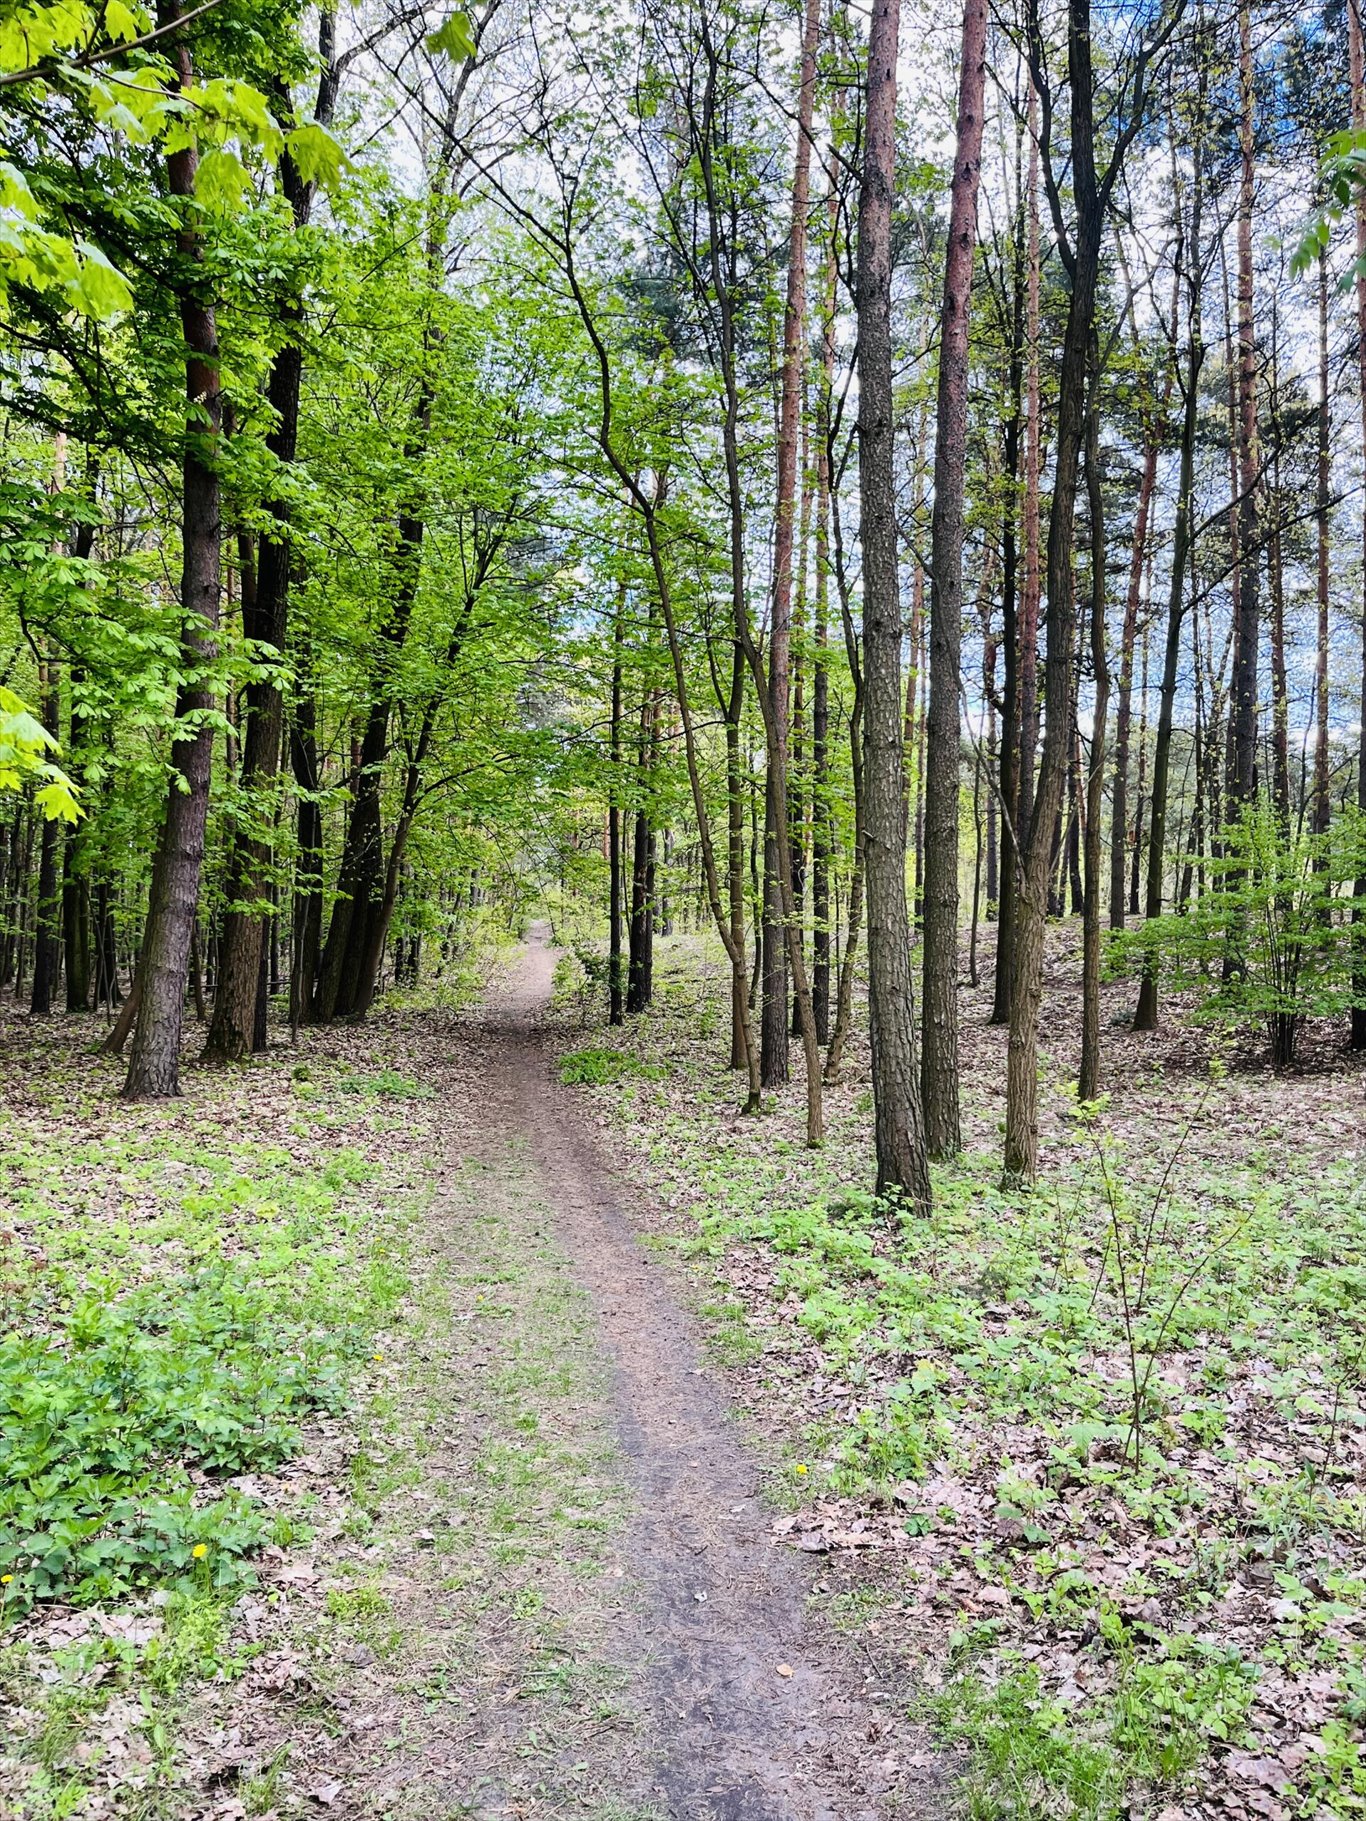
<point x="1093" y="1455"/>
<point x="302" y="1444"/>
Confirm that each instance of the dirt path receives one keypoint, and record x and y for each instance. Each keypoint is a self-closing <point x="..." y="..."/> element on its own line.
<point x="749" y="1713"/>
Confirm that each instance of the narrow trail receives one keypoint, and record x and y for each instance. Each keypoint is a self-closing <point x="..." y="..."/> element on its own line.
<point x="753" y="1716"/>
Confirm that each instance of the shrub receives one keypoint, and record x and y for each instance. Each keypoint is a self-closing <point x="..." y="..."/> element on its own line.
<point x="1271" y="943"/>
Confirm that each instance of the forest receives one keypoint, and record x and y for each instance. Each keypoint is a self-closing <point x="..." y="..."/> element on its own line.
<point x="683" y="909"/>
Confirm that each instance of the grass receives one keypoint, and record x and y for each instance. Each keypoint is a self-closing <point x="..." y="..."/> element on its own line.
<point x="1109" y="1433"/>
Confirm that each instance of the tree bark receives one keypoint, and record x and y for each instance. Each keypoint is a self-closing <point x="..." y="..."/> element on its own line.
<point x="47" y="916"/>
<point x="1082" y="261"/>
<point x="1010" y="755"/>
<point x="902" y="1160"/>
<point x="939" y="995"/>
<point x="616" y="1014"/>
<point x="1322" y="806"/>
<point x="1145" y="1013"/>
<point x="154" y="1061"/>
<point x="1089" y="1074"/>
<point x="234" y="1030"/>
<point x="1243" y="783"/>
<point x="1357" y="77"/>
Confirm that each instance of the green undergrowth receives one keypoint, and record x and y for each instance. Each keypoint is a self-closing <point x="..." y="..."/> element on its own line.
<point x="1119" y="1422"/>
<point x="597" y="1066"/>
<point x="181" y="1299"/>
<point x="154" y="1355"/>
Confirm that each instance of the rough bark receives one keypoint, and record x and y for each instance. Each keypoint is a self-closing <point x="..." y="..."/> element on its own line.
<point x="1243" y="781"/>
<point x="1089" y="1073"/>
<point x="902" y="1161"/>
<point x="939" y="997"/>
<point x="1145" y="1013"/>
<point x="47" y="910"/>
<point x="154" y="1060"/>
<point x="615" y="1007"/>
<point x="235" y="1029"/>
<point x="775" y="941"/>
<point x="1357" y="77"/>
<point x="1323" y="483"/>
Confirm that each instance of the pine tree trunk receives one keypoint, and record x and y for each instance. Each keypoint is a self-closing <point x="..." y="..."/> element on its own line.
<point x="1145" y="1013"/>
<point x="1323" y="488"/>
<point x="1083" y="263"/>
<point x="1089" y="1073"/>
<point x="902" y="1163"/>
<point x="1009" y="772"/>
<point x="1119" y="815"/>
<point x="1247" y="634"/>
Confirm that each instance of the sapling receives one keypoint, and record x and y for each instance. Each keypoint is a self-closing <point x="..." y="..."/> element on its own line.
<point x="1136" y="1244"/>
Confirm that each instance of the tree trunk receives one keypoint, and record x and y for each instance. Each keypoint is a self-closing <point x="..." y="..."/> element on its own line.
<point x="1083" y="263"/>
<point x="1323" y="488"/>
<point x="1357" y="77"/>
<point x="939" y="999"/>
<point x="615" y="1009"/>
<point x="1089" y="1074"/>
<point x="154" y="1061"/>
<point x="1119" y="813"/>
<point x="902" y="1161"/>
<point x="1033" y="581"/>
<point x="308" y="871"/>
<point x="1010" y="628"/>
<point x="47" y="919"/>
<point x="1243" y="783"/>
<point x="1145" y="1013"/>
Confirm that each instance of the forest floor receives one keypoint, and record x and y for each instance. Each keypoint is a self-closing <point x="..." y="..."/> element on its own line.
<point x="361" y="1461"/>
<point x="1091" y="1461"/>
<point x="471" y="1414"/>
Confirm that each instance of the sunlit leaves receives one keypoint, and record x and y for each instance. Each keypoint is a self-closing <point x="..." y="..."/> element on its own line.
<point x="122" y="22"/>
<point x="316" y="154"/>
<point x="455" y="38"/>
<point x="25" y="749"/>
<point x="1343" y="179"/>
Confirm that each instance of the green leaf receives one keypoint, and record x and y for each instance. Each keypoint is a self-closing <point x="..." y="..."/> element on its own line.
<point x="122" y="22"/>
<point x="317" y="156"/>
<point x="100" y="290"/>
<point x="221" y="181"/>
<point x="455" y="38"/>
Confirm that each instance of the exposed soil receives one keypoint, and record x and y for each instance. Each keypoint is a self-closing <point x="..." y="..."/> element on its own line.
<point x="754" y="1711"/>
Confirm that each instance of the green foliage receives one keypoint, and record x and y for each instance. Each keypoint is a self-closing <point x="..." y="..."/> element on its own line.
<point x="1342" y="177"/>
<point x="1032" y="1754"/>
<point x="595" y="1067"/>
<point x="121" y="1419"/>
<point x="25" y="749"/>
<point x="455" y="38"/>
<point x="1271" y="942"/>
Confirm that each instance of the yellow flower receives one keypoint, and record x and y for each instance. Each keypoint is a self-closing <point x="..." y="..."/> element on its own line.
<point x="377" y="1357"/>
<point x="5" y="1579"/>
<point x="801" y="1467"/>
<point x="199" y="1551"/>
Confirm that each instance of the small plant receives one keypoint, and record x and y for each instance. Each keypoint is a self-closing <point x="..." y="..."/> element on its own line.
<point x="598" y="1066"/>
